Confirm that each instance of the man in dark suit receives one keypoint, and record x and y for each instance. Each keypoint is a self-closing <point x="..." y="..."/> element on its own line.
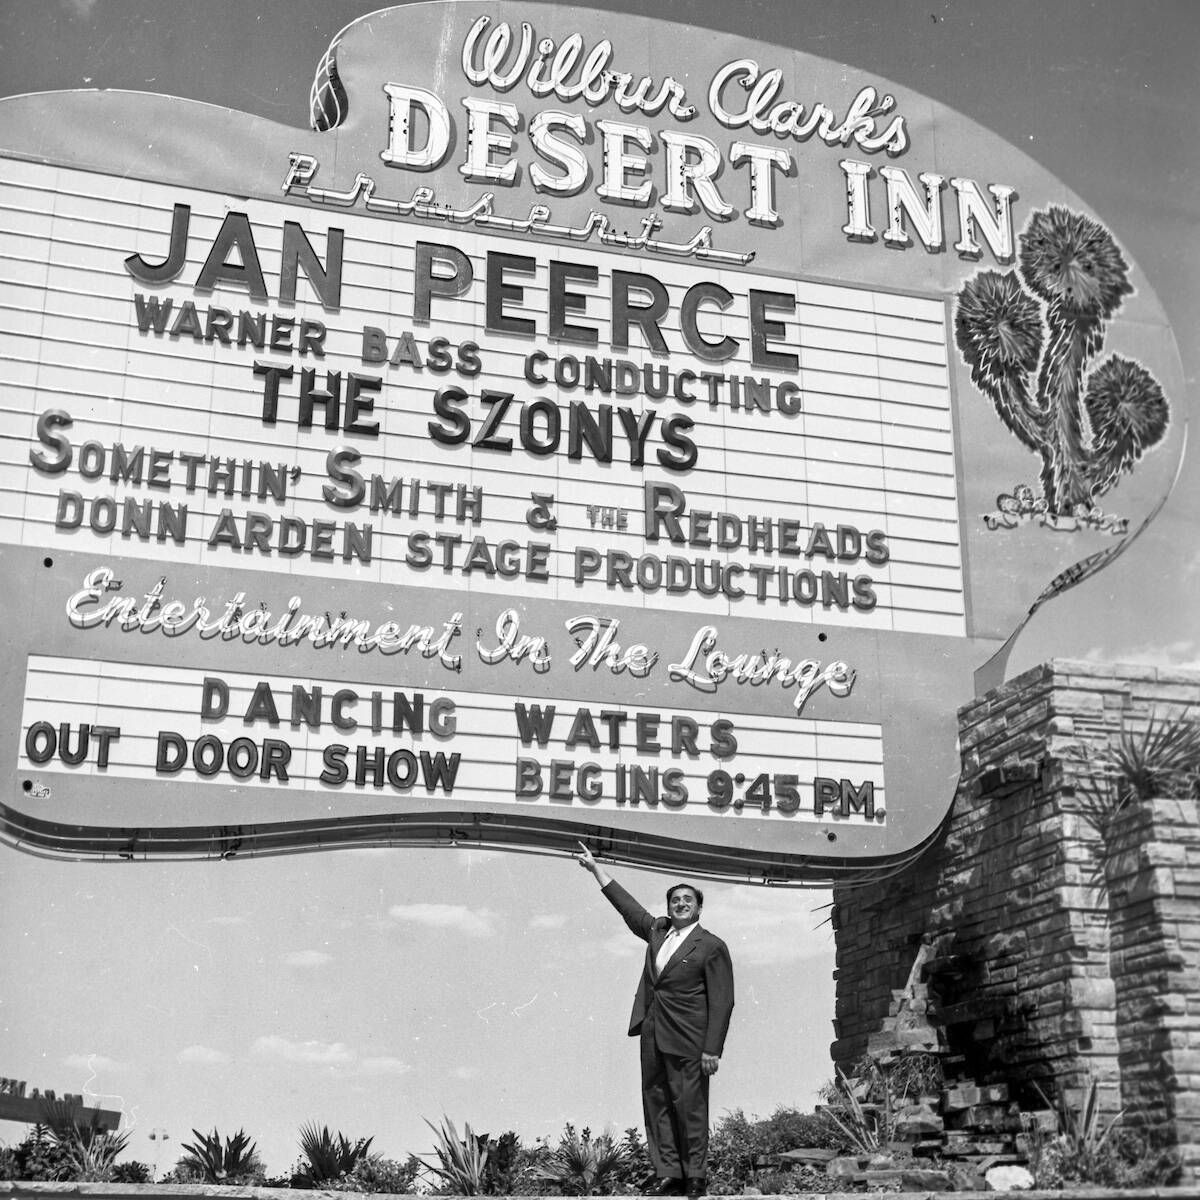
<point x="681" y="1012"/>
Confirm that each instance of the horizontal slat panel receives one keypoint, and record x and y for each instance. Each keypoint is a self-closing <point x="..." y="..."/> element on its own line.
<point x="871" y="447"/>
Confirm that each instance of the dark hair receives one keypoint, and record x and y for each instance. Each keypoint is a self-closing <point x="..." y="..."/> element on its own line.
<point x="691" y="887"/>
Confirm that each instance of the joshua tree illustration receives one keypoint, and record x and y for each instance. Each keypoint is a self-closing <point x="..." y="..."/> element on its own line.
<point x="1030" y="341"/>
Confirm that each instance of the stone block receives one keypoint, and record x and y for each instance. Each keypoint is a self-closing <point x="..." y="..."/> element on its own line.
<point x="1088" y="667"/>
<point x="1165" y="1005"/>
<point x="844" y="1168"/>
<point x="1187" y="1105"/>
<point x="990" y="1118"/>
<point x="1182" y="693"/>
<point x="1174" y="812"/>
<point x="1186" y="1060"/>
<point x="1079" y="702"/>
<point x="1151" y="883"/>
<point x="925" y="1180"/>
<point x="917" y="1120"/>
<point x="1090" y="992"/>
<point x="1006" y="941"/>
<point x="1009" y="1178"/>
<point x="957" y="1099"/>
<point x="1079" y="681"/>
<point x="1044" y="1120"/>
<point x="1149" y="674"/>
<point x="882" y="1179"/>
<point x="1169" y="674"/>
<point x="809" y="1154"/>
<point x="1166" y="854"/>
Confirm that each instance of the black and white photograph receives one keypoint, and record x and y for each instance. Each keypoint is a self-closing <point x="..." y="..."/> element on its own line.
<point x="599" y="600"/>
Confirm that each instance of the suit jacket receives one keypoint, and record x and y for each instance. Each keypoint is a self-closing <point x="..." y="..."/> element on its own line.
<point x="687" y="1008"/>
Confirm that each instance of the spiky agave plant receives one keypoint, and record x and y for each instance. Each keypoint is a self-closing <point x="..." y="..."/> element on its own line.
<point x="583" y="1165"/>
<point x="90" y="1151"/>
<point x="461" y="1161"/>
<point x="330" y="1156"/>
<point x="1088" y="429"/>
<point x="226" y="1162"/>
<point x="1162" y="760"/>
<point x="858" y="1125"/>
<point x="1080" y="1125"/>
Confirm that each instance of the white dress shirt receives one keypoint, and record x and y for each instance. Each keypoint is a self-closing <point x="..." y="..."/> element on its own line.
<point x="674" y="939"/>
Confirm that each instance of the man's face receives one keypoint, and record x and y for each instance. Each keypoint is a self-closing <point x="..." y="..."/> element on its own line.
<point x="683" y="908"/>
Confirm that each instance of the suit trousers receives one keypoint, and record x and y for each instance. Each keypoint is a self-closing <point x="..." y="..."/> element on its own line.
<point x="675" y="1103"/>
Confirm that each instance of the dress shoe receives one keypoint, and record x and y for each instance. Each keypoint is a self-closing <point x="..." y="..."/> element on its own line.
<point x="695" y="1188"/>
<point x="669" y="1187"/>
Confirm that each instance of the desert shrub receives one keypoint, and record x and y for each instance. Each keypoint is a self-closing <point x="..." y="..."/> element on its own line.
<point x="1122" y="1160"/>
<point x="131" y="1172"/>
<point x="527" y="1177"/>
<point x="582" y="1164"/>
<point x="374" y="1173"/>
<point x="503" y="1167"/>
<point x="68" y="1145"/>
<point x="38" y="1157"/>
<point x="800" y="1179"/>
<point x="915" y="1075"/>
<point x="788" y="1129"/>
<point x="636" y="1173"/>
<point x="41" y="1156"/>
<point x="737" y="1142"/>
<point x="184" y="1171"/>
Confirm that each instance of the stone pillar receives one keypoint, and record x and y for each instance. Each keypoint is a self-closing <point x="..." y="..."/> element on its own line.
<point x="1009" y="900"/>
<point x="1152" y="870"/>
<point x="1013" y="897"/>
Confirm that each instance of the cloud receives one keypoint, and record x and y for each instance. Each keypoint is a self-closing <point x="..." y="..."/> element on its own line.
<point x="305" y="958"/>
<point x="383" y="1064"/>
<point x="227" y="920"/>
<point x="92" y="1063"/>
<point x="202" y="1056"/>
<point x="464" y="1073"/>
<point x="323" y="1054"/>
<point x="474" y="922"/>
<point x="339" y="1057"/>
<point x="548" y="921"/>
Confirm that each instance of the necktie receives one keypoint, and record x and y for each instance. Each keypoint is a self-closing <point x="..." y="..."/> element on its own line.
<point x="665" y="951"/>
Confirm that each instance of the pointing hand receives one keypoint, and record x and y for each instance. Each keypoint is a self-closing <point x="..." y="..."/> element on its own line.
<point x="588" y="863"/>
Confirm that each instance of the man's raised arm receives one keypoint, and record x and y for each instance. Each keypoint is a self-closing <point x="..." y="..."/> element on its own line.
<point x="634" y="915"/>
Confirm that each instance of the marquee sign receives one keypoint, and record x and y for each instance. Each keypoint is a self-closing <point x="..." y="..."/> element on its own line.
<point x="36" y="1107"/>
<point x="590" y="427"/>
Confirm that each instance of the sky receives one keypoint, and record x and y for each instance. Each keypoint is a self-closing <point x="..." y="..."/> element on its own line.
<point x="371" y="989"/>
